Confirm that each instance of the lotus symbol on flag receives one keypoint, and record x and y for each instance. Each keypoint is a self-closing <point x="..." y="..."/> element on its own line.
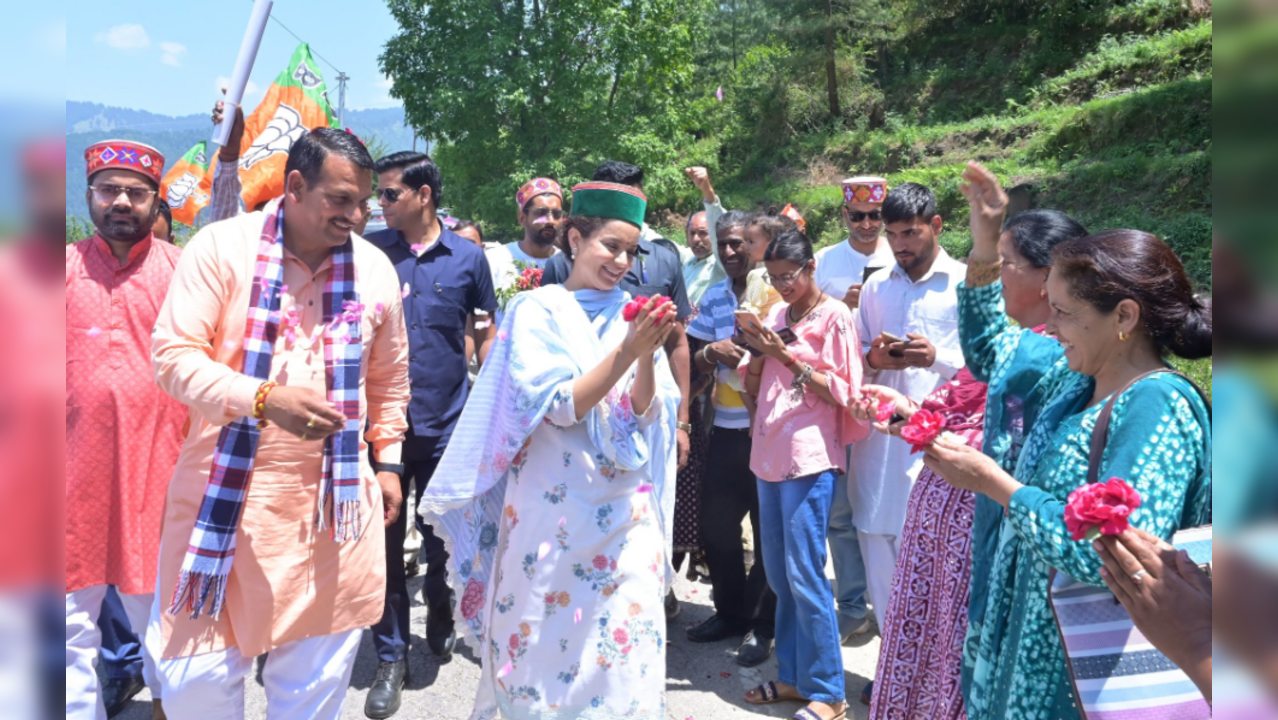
<point x="306" y="76"/>
<point x="183" y="189"/>
<point x="284" y="129"/>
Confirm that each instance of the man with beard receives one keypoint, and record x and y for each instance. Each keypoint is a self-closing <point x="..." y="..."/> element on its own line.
<point x="123" y="434"/>
<point x="446" y="281"/>
<point x="540" y="204"/>
<point x="908" y="325"/>
<point x="841" y="272"/>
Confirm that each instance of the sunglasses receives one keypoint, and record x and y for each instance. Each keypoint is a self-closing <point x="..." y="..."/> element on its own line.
<point x="857" y="216"/>
<point x="389" y="196"/>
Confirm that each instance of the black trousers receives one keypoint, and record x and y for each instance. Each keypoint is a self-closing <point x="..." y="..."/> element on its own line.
<point x="729" y="493"/>
<point x="391" y="636"/>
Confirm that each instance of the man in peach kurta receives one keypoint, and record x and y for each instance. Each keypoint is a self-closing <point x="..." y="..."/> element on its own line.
<point x="293" y="590"/>
<point x="122" y="433"/>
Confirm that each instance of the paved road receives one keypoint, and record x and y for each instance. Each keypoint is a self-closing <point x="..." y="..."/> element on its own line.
<point x="704" y="682"/>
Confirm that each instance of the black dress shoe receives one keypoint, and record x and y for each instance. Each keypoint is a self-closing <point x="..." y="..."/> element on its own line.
<point x="440" y="635"/>
<point x="387" y="691"/>
<point x="715" y="629"/>
<point x="117" y="693"/>
<point x="754" y="651"/>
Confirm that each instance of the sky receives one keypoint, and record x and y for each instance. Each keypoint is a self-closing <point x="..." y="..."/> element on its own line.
<point x="173" y="57"/>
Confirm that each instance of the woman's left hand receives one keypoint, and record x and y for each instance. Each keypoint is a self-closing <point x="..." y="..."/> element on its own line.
<point x="767" y="342"/>
<point x="961" y="465"/>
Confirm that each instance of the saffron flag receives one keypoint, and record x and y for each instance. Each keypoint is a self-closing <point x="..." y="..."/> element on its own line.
<point x="295" y="104"/>
<point x="189" y="184"/>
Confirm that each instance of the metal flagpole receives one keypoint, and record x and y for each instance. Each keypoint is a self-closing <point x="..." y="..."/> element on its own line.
<point x="341" y="98"/>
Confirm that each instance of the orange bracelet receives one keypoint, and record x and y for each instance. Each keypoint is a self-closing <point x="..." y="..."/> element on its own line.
<point x="259" y="403"/>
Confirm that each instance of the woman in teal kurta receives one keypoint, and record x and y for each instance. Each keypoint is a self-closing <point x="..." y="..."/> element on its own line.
<point x="1119" y="303"/>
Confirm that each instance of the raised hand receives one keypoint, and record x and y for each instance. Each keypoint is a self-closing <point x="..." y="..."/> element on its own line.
<point x="700" y="177"/>
<point x="649" y="331"/>
<point x="989" y="205"/>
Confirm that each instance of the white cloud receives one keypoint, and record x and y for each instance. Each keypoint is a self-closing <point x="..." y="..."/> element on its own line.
<point x="385" y="83"/>
<point x="173" y="53"/>
<point x="125" y="37"/>
<point x="225" y="82"/>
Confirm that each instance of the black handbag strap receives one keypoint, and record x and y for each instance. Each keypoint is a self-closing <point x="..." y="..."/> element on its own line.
<point x="1100" y="435"/>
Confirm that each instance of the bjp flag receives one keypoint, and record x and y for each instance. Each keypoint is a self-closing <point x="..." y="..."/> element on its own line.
<point x="189" y="184"/>
<point x="295" y="104"/>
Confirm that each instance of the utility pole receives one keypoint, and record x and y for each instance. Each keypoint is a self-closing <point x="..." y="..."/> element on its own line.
<point x="341" y="98"/>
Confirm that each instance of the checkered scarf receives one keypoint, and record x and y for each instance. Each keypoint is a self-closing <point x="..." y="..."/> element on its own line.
<point x="207" y="565"/>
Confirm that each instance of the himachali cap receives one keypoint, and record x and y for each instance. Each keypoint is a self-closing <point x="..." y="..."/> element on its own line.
<point x="539" y="186"/>
<point x="866" y="189"/>
<point x="611" y="201"/>
<point x="125" y="155"/>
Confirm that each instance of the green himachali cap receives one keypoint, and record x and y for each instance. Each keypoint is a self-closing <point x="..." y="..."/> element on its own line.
<point x="609" y="200"/>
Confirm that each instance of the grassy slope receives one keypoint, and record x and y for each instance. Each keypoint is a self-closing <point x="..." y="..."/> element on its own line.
<point x="1118" y="134"/>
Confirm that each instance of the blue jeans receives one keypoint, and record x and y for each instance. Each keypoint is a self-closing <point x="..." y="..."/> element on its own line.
<point x="850" y="585"/>
<point x="794" y="517"/>
<point x="121" y="650"/>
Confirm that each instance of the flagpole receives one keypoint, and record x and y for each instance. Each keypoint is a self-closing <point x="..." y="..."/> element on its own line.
<point x="243" y="67"/>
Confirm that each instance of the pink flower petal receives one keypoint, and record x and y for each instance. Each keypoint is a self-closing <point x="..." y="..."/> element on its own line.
<point x="576" y="617"/>
<point x="284" y="288"/>
<point x="94" y="332"/>
<point x="543" y="550"/>
<point x="563" y="521"/>
<point x="645" y="489"/>
<point x="380" y="308"/>
<point x="506" y="670"/>
<point x="417" y="249"/>
<point x="406" y="292"/>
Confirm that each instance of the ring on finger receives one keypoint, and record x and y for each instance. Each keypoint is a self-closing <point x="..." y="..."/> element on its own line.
<point x="305" y="437"/>
<point x="310" y="425"/>
<point x="1139" y="575"/>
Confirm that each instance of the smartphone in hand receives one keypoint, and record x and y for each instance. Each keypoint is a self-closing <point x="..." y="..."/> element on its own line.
<point x="749" y="321"/>
<point x="892" y="339"/>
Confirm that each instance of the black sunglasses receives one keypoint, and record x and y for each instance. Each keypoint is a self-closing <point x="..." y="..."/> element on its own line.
<point x="857" y="216"/>
<point x="389" y="196"/>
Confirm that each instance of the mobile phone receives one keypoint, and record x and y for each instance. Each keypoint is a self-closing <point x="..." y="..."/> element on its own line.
<point x="894" y="339"/>
<point x="787" y="336"/>
<point x="868" y="272"/>
<point x="747" y="319"/>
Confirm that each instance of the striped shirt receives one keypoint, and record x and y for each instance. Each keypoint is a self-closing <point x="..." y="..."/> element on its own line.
<point x="715" y="322"/>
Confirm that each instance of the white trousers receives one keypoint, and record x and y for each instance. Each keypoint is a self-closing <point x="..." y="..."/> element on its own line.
<point x="84" y="643"/>
<point x="305" y="680"/>
<point x="880" y="553"/>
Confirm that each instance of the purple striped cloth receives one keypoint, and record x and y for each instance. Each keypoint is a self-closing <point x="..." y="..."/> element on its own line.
<point x="1117" y="673"/>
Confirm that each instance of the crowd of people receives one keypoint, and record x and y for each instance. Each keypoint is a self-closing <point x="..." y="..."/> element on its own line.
<point x="570" y="419"/>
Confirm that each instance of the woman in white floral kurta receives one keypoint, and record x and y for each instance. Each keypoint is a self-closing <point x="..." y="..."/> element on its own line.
<point x="557" y="522"/>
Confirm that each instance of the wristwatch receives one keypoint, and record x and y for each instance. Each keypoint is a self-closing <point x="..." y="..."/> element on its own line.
<point x="686" y="427"/>
<point x="398" y="469"/>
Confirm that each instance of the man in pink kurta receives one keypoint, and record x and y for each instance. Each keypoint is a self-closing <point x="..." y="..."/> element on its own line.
<point x="122" y="433"/>
<point x="292" y="590"/>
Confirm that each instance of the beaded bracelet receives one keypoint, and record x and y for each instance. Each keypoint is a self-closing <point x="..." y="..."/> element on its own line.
<point x="259" y="403"/>
<point x="981" y="274"/>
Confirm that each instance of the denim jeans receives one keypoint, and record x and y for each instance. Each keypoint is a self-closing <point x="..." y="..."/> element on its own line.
<point x="795" y="516"/>
<point x="121" y="652"/>
<point x="850" y="584"/>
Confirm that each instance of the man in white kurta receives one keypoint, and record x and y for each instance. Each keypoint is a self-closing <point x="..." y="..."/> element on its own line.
<point x="915" y="301"/>
<point x="841" y="272"/>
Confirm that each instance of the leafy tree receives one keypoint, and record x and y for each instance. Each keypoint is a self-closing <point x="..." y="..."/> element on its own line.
<point x="517" y="88"/>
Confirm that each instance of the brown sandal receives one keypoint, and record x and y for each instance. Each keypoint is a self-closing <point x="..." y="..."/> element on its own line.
<point x="808" y="713"/>
<point x="770" y="695"/>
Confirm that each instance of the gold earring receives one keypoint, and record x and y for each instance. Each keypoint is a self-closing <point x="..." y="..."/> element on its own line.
<point x="1043" y="293"/>
<point x="1123" y="336"/>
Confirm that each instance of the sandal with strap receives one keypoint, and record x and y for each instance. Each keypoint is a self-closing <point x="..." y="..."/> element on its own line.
<point x="769" y="695"/>
<point x="808" y="713"/>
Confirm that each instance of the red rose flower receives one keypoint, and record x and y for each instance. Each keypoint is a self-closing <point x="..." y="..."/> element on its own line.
<point x="884" y="412"/>
<point x="1100" y="509"/>
<point x="922" y="430"/>
<point x="601" y="562"/>
<point x="634" y="307"/>
<point x="514" y="641"/>
<point x="620" y="637"/>
<point x="472" y="599"/>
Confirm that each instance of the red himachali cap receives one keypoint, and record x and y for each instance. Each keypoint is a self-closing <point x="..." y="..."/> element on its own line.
<point x="125" y="155"/>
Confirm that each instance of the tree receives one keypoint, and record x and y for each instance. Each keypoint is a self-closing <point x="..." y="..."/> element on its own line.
<point x="517" y="88"/>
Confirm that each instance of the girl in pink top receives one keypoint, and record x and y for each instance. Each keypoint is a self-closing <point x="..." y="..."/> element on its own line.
<point x="806" y="377"/>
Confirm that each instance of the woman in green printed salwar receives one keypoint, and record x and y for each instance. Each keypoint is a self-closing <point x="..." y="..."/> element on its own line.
<point x="1120" y="302"/>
